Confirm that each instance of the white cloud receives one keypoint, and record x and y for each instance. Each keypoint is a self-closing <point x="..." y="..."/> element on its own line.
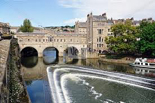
<point x="114" y="8"/>
<point x="72" y="21"/>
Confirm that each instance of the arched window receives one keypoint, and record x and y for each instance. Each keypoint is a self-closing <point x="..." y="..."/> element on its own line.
<point x="99" y="39"/>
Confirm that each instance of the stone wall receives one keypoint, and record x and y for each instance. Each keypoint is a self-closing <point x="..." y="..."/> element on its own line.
<point x="59" y="41"/>
<point x="4" y="54"/>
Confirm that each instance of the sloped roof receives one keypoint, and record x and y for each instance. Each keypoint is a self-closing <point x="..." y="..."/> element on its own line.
<point x="82" y="24"/>
<point x="99" y="18"/>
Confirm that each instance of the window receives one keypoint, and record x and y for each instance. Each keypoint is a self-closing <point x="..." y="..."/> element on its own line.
<point x="100" y="31"/>
<point x="50" y="39"/>
<point x="100" y="39"/>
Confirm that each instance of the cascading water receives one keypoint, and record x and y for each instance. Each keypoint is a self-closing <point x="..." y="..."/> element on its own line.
<point x="72" y="84"/>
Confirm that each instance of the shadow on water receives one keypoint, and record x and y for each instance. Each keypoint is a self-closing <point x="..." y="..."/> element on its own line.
<point x="71" y="61"/>
<point x="29" y="62"/>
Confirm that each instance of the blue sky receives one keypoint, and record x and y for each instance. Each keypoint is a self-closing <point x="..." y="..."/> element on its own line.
<point x="40" y="12"/>
<point x="66" y="12"/>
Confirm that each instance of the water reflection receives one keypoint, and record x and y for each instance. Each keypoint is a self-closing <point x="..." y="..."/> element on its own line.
<point x="50" y="60"/>
<point x="29" y="62"/>
<point x="50" y="56"/>
<point x="145" y="71"/>
<point x="36" y="76"/>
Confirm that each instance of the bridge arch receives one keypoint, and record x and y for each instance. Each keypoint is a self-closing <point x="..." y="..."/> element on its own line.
<point x="72" y="51"/>
<point x="49" y="49"/>
<point x="50" y="55"/>
<point x="29" y="51"/>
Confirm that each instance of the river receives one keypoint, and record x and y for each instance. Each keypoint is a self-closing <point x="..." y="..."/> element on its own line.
<point x="85" y="89"/>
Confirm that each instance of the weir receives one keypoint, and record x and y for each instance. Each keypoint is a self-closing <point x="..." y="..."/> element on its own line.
<point x="59" y="75"/>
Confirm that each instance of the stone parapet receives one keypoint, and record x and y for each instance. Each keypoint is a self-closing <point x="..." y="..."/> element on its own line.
<point x="4" y="53"/>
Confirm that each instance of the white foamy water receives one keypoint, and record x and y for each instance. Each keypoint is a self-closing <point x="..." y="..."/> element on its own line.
<point x="59" y="78"/>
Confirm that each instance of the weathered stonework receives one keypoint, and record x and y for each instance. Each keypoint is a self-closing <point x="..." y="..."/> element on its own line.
<point x="4" y="28"/>
<point x="59" y="41"/>
<point x="4" y="54"/>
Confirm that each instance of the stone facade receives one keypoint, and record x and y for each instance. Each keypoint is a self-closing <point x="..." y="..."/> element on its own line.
<point x="98" y="27"/>
<point x="40" y="41"/>
<point x="4" y="28"/>
<point x="81" y="27"/>
<point x="14" y="29"/>
<point x="88" y="38"/>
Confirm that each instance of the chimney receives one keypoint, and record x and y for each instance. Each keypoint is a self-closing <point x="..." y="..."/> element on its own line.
<point x="132" y="18"/>
<point x="104" y="15"/>
<point x="91" y="13"/>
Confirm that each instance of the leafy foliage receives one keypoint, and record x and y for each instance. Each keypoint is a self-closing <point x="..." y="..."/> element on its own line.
<point x="123" y="41"/>
<point x="26" y="27"/>
<point x="147" y="38"/>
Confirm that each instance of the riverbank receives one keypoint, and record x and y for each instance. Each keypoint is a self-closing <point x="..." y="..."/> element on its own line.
<point x="17" y="90"/>
<point x="126" y="60"/>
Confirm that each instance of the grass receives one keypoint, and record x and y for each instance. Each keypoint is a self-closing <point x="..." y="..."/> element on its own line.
<point x="6" y="36"/>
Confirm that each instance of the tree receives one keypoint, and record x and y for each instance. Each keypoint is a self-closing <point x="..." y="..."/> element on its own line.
<point x="147" y="38"/>
<point x="123" y="41"/>
<point x="26" y="27"/>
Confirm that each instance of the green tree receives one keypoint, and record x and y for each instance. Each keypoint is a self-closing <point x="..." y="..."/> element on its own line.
<point x="147" y="38"/>
<point x="26" y="27"/>
<point x="123" y="41"/>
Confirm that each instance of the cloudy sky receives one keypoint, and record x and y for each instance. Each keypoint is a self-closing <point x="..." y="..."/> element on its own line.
<point x="66" y="12"/>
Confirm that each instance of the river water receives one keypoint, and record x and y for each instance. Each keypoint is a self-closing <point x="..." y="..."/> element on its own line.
<point x="83" y="87"/>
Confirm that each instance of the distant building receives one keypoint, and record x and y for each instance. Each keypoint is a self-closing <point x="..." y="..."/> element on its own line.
<point x="96" y="29"/>
<point x="4" y="28"/>
<point x="38" y="30"/>
<point x="14" y="29"/>
<point x="81" y="27"/>
<point x="93" y="32"/>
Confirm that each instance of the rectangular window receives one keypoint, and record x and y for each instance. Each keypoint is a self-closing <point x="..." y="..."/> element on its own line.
<point x="100" y="31"/>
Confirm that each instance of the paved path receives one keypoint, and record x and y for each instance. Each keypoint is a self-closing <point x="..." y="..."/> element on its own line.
<point x="4" y="52"/>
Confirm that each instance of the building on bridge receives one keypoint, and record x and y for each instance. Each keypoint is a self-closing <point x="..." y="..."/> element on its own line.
<point x="4" y="28"/>
<point x="59" y="41"/>
<point x="88" y="38"/>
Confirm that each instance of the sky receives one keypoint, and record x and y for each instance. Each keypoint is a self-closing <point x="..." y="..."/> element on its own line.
<point x="43" y="13"/>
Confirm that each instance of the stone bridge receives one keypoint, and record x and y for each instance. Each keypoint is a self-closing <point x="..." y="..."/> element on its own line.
<point x="59" y="41"/>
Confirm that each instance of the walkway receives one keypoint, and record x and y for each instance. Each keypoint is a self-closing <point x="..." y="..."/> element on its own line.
<point x="4" y="52"/>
